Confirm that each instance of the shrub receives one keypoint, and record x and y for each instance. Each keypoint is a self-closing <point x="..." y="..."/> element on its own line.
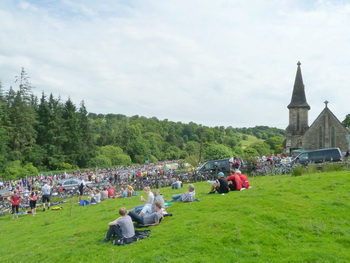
<point x="297" y="171"/>
<point x="332" y="167"/>
<point x="311" y="168"/>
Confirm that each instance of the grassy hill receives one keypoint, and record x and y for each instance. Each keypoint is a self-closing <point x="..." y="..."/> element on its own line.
<point x="281" y="219"/>
<point x="250" y="140"/>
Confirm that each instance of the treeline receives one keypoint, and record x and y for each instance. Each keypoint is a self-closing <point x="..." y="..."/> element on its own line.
<point x="46" y="133"/>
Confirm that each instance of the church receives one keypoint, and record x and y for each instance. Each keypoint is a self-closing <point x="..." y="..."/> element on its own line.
<point x="325" y="132"/>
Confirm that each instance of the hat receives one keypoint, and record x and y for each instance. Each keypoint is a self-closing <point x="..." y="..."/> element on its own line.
<point x="221" y="174"/>
<point x="238" y="171"/>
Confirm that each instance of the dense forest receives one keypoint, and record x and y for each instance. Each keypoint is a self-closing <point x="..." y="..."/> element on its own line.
<point x="46" y="133"/>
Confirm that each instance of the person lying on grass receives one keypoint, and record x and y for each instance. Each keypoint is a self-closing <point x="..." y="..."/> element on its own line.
<point x="122" y="226"/>
<point x="149" y="219"/>
<point x="220" y="186"/>
<point x="187" y="196"/>
<point x="149" y="209"/>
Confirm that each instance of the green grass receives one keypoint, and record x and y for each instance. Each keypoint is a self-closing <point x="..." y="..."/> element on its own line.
<point x="251" y="139"/>
<point x="281" y="219"/>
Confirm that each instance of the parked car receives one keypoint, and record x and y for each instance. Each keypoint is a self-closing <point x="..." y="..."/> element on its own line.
<point x="319" y="156"/>
<point x="70" y="183"/>
<point x="222" y="165"/>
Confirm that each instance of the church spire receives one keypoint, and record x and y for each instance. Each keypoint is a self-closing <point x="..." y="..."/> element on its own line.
<point x="298" y="97"/>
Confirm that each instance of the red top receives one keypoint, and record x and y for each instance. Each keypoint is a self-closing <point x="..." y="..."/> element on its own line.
<point x="244" y="180"/>
<point x="236" y="180"/>
<point x="110" y="192"/>
<point x="15" y="199"/>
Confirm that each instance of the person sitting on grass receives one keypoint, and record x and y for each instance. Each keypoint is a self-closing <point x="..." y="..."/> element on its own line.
<point x="148" y="219"/>
<point x="234" y="181"/>
<point x="187" y="196"/>
<point x="244" y="179"/>
<point x="220" y="185"/>
<point x="111" y="192"/>
<point x="122" y="226"/>
<point x="104" y="193"/>
<point x="149" y="209"/>
<point x="177" y="184"/>
<point x="149" y="201"/>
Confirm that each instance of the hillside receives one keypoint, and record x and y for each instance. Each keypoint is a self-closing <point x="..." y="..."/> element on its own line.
<point x="281" y="219"/>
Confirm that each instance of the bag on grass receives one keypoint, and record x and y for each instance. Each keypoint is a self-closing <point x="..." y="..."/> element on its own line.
<point x="139" y="234"/>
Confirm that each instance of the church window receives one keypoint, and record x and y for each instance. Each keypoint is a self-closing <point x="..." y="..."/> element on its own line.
<point x="332" y="132"/>
<point x="298" y="121"/>
<point x="320" y="138"/>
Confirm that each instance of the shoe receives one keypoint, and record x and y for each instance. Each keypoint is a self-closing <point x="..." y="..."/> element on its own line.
<point x="210" y="193"/>
<point x="104" y="241"/>
<point x="168" y="215"/>
<point x="197" y="200"/>
<point x="43" y="209"/>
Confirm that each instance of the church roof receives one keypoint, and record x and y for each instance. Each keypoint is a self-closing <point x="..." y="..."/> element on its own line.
<point x="327" y="111"/>
<point x="298" y="96"/>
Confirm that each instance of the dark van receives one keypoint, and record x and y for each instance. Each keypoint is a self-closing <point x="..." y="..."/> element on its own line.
<point x="222" y="165"/>
<point x="319" y="156"/>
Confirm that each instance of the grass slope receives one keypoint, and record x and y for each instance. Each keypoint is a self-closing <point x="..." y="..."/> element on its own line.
<point x="250" y="140"/>
<point x="281" y="219"/>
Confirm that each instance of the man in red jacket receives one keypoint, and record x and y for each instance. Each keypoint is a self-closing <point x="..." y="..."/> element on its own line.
<point x="234" y="182"/>
<point x="243" y="178"/>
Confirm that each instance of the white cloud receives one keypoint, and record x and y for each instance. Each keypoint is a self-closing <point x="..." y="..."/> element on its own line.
<point x="211" y="62"/>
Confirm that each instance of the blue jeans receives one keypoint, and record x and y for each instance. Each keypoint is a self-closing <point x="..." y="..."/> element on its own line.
<point x="138" y="208"/>
<point x="177" y="197"/>
<point x="176" y="185"/>
<point x="114" y="230"/>
<point x="135" y="217"/>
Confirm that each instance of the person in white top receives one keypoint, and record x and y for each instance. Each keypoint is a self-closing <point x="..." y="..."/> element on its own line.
<point x="46" y="195"/>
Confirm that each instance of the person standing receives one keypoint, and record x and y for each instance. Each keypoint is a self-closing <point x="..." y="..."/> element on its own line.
<point x="46" y="196"/>
<point x="82" y="186"/>
<point x="33" y="199"/>
<point x="14" y="199"/>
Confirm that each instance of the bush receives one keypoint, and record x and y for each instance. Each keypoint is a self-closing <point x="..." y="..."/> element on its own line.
<point x="332" y="167"/>
<point x="65" y="166"/>
<point x="101" y="161"/>
<point x="311" y="168"/>
<point x="297" y="171"/>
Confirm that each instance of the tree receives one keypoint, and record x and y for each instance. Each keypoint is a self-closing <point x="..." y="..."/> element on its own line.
<point x="275" y="144"/>
<point x="22" y="119"/>
<point x="72" y="140"/>
<point x="262" y="148"/>
<point x="216" y="151"/>
<point x="87" y="146"/>
<point x="112" y="152"/>
<point x="346" y="122"/>
<point x="100" y="161"/>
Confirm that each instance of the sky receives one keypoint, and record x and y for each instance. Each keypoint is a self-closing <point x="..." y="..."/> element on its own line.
<point x="215" y="63"/>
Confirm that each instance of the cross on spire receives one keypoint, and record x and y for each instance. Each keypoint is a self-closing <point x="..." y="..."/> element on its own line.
<point x="326" y="102"/>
